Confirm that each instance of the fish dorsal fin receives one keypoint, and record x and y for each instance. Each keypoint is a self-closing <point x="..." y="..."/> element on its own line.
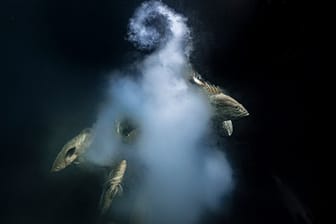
<point x="208" y="87"/>
<point x="212" y="89"/>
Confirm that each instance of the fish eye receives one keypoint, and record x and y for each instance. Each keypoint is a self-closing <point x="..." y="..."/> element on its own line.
<point x="70" y="152"/>
<point x="125" y="127"/>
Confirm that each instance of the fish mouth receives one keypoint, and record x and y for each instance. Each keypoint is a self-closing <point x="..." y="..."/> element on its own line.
<point x="245" y="112"/>
<point x="56" y="168"/>
<point x="241" y="110"/>
<point x="53" y="170"/>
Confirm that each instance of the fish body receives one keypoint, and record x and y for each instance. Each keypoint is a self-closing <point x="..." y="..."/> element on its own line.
<point x="225" y="107"/>
<point x="72" y="150"/>
<point x="113" y="186"/>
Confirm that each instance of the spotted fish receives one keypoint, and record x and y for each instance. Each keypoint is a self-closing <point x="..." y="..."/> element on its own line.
<point x="226" y="108"/>
<point x="113" y="186"/>
<point x="72" y="150"/>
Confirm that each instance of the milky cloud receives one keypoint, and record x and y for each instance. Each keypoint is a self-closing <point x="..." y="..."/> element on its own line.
<point x="181" y="173"/>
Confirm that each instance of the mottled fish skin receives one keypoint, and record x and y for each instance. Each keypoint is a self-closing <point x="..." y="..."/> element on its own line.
<point x="113" y="187"/>
<point x="72" y="150"/>
<point x="227" y="128"/>
<point x="225" y="106"/>
<point x="228" y="108"/>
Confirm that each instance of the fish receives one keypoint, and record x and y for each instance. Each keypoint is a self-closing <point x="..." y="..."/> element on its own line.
<point x="226" y="107"/>
<point x="112" y="186"/>
<point x="126" y="130"/>
<point x="292" y="202"/>
<point x="72" y="150"/>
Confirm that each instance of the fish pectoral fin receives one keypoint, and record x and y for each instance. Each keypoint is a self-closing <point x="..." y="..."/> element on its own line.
<point x="227" y="127"/>
<point x="120" y="190"/>
<point x="117" y="191"/>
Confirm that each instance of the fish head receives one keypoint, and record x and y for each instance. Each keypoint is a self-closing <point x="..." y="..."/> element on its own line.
<point x="65" y="159"/>
<point x="123" y="164"/>
<point x="127" y="129"/>
<point x="72" y="150"/>
<point x="227" y="107"/>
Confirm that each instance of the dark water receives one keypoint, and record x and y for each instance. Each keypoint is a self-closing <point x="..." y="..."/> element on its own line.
<point x="55" y="56"/>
